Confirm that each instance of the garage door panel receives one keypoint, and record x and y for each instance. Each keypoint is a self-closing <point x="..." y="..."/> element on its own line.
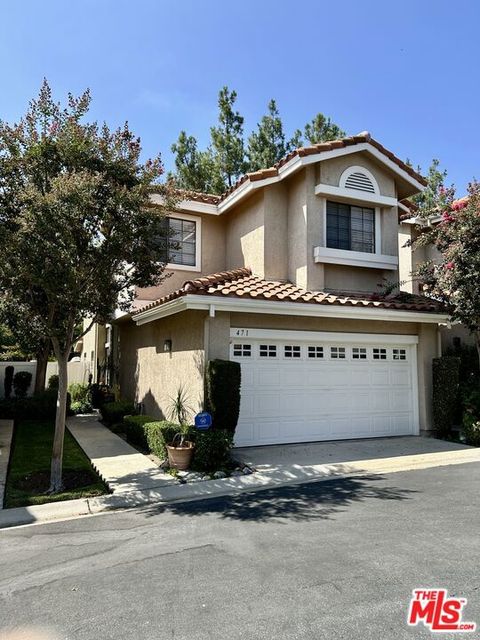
<point x="306" y="399"/>
<point x="400" y="377"/>
<point x="380" y="376"/>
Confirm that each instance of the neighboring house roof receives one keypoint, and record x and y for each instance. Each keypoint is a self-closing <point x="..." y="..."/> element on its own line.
<point x="241" y="283"/>
<point x="277" y="170"/>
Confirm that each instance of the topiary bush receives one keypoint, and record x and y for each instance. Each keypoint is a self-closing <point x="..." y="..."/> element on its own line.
<point x="8" y="381"/>
<point x="161" y="433"/>
<point x="135" y="429"/>
<point x="113" y="412"/>
<point x="223" y="381"/>
<point x="21" y="383"/>
<point x="212" y="449"/>
<point x="445" y="393"/>
<point x="53" y="382"/>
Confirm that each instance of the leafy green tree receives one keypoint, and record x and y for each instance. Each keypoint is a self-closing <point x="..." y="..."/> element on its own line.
<point x="454" y="277"/>
<point x="266" y="145"/>
<point x="76" y="232"/>
<point x="432" y="197"/>
<point x="227" y="139"/>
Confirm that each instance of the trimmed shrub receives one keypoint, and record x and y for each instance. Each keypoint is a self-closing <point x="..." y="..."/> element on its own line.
<point x="223" y="380"/>
<point x="134" y="429"/>
<point x="161" y="433"/>
<point x="79" y="392"/>
<point x="21" y="382"/>
<point x="41" y="405"/>
<point x="212" y="449"/>
<point x="53" y="382"/>
<point x="81" y="406"/>
<point x="8" y="381"/>
<point x="471" y="429"/>
<point x="445" y="393"/>
<point x="113" y="412"/>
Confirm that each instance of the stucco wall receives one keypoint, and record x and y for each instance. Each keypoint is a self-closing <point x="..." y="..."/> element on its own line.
<point x="245" y="228"/>
<point x="212" y="258"/>
<point x="330" y="171"/>
<point x="151" y="376"/>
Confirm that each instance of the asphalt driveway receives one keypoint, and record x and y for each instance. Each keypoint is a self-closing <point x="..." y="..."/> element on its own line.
<point x="333" y="559"/>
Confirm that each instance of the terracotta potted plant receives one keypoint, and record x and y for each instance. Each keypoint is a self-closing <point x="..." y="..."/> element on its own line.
<point x="180" y="452"/>
<point x="180" y="449"/>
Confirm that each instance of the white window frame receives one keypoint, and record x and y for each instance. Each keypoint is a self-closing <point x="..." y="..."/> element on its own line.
<point x="198" y="244"/>
<point x="376" y="260"/>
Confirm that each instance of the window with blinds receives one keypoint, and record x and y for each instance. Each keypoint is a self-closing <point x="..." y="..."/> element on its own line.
<point x="350" y="227"/>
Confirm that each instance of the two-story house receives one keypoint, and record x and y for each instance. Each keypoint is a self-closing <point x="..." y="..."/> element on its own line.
<point x="282" y="274"/>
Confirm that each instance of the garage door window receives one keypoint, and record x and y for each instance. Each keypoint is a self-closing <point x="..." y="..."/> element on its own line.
<point x="268" y="351"/>
<point x="337" y="353"/>
<point x="292" y="351"/>
<point x="242" y="350"/>
<point x="399" y="354"/>
<point x="315" y="352"/>
<point x="359" y="353"/>
<point x="379" y="354"/>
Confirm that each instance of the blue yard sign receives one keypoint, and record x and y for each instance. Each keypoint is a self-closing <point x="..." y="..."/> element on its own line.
<point x="203" y="420"/>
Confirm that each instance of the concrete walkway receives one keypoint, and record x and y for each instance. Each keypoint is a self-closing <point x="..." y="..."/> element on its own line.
<point x="6" y="433"/>
<point x="123" y="468"/>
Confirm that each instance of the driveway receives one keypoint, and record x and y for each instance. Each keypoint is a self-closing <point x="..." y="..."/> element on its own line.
<point x="334" y="559"/>
<point x="375" y="455"/>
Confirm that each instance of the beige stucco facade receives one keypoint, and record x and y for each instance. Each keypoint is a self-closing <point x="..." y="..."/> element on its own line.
<point x="152" y="377"/>
<point x="274" y="230"/>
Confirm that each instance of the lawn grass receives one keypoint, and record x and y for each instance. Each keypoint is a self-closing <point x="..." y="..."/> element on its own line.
<point x="29" y="467"/>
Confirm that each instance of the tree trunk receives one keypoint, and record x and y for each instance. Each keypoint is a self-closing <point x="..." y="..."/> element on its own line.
<point x="56" y="483"/>
<point x="477" y="344"/>
<point x="41" y="372"/>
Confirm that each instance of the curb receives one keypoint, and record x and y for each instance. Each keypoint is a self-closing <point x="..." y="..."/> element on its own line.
<point x="258" y="481"/>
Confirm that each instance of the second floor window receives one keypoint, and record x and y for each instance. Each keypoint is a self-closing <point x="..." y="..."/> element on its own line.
<point x="350" y="227"/>
<point x="177" y="240"/>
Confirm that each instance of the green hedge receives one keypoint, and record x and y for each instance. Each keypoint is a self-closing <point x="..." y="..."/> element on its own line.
<point x="113" y="412"/>
<point x="79" y="392"/>
<point x="446" y="371"/>
<point x="161" y="433"/>
<point x="212" y="449"/>
<point x="21" y="383"/>
<point x="471" y="429"/>
<point x="41" y="405"/>
<point x="223" y="380"/>
<point x="135" y="431"/>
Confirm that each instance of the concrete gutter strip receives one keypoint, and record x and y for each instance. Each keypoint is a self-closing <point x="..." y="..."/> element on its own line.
<point x="6" y="435"/>
<point x="292" y="474"/>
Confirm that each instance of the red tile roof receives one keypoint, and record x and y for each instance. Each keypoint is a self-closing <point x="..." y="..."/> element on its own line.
<point x="302" y="152"/>
<point x="240" y="283"/>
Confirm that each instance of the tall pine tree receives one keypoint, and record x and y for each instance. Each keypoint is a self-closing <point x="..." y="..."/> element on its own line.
<point x="266" y="145"/>
<point x="227" y="139"/>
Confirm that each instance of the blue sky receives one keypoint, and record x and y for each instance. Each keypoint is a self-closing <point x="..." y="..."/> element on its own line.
<point x="405" y="71"/>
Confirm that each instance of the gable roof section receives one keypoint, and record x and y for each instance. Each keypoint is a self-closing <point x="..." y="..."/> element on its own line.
<point x="242" y="284"/>
<point x="293" y="161"/>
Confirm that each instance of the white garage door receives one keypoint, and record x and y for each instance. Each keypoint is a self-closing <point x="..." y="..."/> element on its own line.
<point x="307" y="386"/>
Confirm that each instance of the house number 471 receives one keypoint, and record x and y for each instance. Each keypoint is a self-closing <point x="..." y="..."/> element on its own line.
<point x="241" y="333"/>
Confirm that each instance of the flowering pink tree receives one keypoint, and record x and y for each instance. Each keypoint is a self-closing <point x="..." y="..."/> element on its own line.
<point x="455" y="277"/>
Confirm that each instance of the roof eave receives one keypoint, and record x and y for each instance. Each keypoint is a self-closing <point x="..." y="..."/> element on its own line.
<point x="214" y="303"/>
